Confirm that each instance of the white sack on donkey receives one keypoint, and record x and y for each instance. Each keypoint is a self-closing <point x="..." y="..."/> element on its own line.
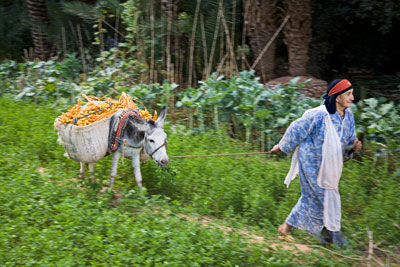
<point x="125" y="133"/>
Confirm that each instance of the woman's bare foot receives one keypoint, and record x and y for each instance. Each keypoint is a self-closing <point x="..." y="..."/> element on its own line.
<point x="284" y="228"/>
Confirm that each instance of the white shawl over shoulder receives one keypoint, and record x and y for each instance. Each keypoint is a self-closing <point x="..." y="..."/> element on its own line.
<point x="329" y="173"/>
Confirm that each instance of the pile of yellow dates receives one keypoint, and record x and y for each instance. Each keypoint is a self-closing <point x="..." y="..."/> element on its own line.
<point x="98" y="108"/>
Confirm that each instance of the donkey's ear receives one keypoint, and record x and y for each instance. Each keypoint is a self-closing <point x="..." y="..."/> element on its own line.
<point x="161" y="118"/>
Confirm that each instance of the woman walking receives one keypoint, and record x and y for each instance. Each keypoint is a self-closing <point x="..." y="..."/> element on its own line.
<point x="320" y="139"/>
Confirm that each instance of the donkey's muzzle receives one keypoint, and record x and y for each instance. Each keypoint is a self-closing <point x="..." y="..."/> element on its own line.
<point x="164" y="162"/>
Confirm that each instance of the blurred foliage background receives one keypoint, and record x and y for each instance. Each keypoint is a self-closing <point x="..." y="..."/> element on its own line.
<point x="184" y="41"/>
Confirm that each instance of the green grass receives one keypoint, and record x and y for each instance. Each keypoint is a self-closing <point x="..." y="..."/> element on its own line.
<point x="49" y="218"/>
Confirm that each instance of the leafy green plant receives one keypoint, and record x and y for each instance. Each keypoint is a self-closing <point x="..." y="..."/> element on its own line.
<point x="191" y="99"/>
<point x="43" y="81"/>
<point x="244" y="103"/>
<point x="378" y="124"/>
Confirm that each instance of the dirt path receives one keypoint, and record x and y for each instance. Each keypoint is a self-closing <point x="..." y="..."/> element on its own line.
<point x="285" y="243"/>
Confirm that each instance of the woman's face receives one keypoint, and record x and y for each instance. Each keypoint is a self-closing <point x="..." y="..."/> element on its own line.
<point x="345" y="99"/>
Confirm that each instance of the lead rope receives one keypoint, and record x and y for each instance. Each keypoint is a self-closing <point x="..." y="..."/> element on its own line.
<point x="222" y="155"/>
<point x="241" y="154"/>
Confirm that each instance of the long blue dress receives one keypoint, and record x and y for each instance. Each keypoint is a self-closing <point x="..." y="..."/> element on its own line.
<point x="307" y="132"/>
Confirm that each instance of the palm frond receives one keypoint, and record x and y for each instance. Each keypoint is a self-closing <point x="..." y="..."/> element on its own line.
<point x="81" y="10"/>
<point x="109" y="5"/>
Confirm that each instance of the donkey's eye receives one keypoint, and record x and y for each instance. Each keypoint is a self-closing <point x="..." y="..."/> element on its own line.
<point x="151" y="141"/>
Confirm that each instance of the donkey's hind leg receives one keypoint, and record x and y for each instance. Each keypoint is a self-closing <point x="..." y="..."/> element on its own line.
<point x="114" y="167"/>
<point x="82" y="170"/>
<point x="91" y="170"/>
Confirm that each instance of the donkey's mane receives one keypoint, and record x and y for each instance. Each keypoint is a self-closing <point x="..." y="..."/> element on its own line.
<point x="136" y="128"/>
<point x="141" y="125"/>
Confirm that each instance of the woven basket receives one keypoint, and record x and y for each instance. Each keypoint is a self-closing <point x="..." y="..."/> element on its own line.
<point x="87" y="144"/>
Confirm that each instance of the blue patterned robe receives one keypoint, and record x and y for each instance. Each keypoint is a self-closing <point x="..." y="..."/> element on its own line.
<point x="307" y="132"/>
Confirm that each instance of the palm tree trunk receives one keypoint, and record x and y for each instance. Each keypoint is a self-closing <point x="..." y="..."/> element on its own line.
<point x="39" y="19"/>
<point x="261" y="25"/>
<point x="297" y="35"/>
<point x="169" y="10"/>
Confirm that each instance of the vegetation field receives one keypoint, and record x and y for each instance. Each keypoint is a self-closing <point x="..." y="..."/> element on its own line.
<point x="194" y="213"/>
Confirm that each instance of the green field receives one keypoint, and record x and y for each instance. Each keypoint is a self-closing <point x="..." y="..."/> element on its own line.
<point x="48" y="217"/>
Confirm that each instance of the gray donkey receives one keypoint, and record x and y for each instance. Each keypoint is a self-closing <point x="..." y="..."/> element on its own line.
<point x="129" y="135"/>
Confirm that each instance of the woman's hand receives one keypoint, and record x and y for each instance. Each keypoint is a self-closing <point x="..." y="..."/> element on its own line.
<point x="276" y="149"/>
<point x="357" y="145"/>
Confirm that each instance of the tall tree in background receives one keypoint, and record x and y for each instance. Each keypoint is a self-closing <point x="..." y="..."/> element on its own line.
<point x="261" y="24"/>
<point x="14" y="29"/>
<point x="39" y="19"/>
<point x="297" y="34"/>
<point x="187" y="38"/>
<point x="169" y="9"/>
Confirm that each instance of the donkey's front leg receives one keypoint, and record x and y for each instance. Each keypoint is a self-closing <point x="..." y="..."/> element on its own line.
<point x="136" y="169"/>
<point x="114" y="167"/>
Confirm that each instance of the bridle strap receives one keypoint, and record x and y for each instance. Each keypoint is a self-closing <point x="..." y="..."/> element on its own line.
<point x="151" y="155"/>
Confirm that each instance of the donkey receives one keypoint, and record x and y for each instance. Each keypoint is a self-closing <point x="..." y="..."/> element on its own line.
<point x="137" y="134"/>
